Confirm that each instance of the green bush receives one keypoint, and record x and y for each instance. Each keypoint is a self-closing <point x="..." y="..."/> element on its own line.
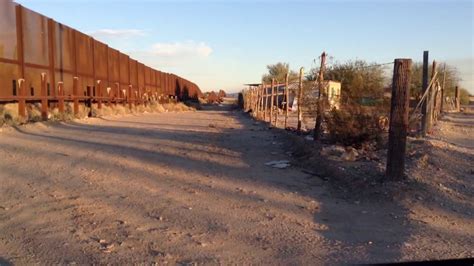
<point x="355" y="125"/>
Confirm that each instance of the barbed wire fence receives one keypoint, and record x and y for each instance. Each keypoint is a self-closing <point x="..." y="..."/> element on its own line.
<point x="296" y="104"/>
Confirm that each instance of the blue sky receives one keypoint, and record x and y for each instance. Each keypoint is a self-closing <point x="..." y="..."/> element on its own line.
<point x="224" y="44"/>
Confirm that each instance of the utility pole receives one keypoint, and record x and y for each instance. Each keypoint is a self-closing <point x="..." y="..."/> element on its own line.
<point x="321" y="100"/>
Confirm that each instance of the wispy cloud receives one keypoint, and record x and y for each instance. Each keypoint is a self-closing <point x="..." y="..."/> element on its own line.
<point x="117" y="33"/>
<point x="181" y="49"/>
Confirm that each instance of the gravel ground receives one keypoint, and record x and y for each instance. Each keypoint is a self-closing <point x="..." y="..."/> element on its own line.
<point x="193" y="187"/>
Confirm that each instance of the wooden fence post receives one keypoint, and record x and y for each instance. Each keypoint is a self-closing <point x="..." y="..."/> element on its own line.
<point x="425" y="105"/>
<point x="299" y="101"/>
<point x="257" y="103"/>
<point x="398" y="119"/>
<point x="442" y="89"/>
<point x="44" y="98"/>
<point x="457" y="97"/>
<point x="277" y="108"/>
<point x="265" y="103"/>
<point x="287" y="99"/>
<point x="430" y="102"/>
<point x="271" y="102"/>
<point x="255" y="100"/>
<point x="321" y="100"/>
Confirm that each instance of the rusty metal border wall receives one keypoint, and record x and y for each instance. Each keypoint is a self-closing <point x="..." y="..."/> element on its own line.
<point x="43" y="60"/>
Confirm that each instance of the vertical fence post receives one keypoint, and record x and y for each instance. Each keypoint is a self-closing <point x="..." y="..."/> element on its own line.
<point x="44" y="98"/>
<point x="99" y="92"/>
<point x="398" y="119"/>
<point x="255" y="98"/>
<point x="424" y="106"/>
<point x="129" y="98"/>
<point x="21" y="59"/>
<point x="22" y="98"/>
<point x="457" y="97"/>
<point x="287" y="99"/>
<point x="431" y="99"/>
<point x="442" y="89"/>
<point x="52" y="54"/>
<point x="75" y="95"/>
<point x="265" y="101"/>
<point x="61" y="97"/>
<point x="299" y="100"/>
<point x="88" y="102"/>
<point x="257" y="101"/>
<point x="321" y="101"/>
<point x="271" y="101"/>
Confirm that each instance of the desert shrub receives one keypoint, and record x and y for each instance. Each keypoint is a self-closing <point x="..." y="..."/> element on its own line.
<point x="354" y="125"/>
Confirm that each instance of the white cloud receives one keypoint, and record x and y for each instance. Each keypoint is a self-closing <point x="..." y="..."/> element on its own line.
<point x="179" y="49"/>
<point x="117" y="33"/>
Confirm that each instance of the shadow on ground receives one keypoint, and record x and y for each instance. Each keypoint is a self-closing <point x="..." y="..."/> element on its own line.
<point x="226" y="151"/>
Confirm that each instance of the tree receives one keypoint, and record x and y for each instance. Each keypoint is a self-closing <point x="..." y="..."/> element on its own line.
<point x="278" y="72"/>
<point x="358" y="78"/>
<point x="452" y="80"/>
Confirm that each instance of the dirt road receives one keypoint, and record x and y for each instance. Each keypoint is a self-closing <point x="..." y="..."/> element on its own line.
<point x="183" y="188"/>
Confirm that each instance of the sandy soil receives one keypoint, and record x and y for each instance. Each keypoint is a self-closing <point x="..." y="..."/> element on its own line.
<point x="193" y="187"/>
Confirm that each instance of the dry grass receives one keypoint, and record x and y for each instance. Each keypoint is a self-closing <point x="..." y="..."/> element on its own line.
<point x="9" y="112"/>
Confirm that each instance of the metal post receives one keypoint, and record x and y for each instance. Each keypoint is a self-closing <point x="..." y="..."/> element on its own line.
<point x="21" y="59"/>
<point x="61" y="97"/>
<point x="44" y="98"/>
<point x="75" y="95"/>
